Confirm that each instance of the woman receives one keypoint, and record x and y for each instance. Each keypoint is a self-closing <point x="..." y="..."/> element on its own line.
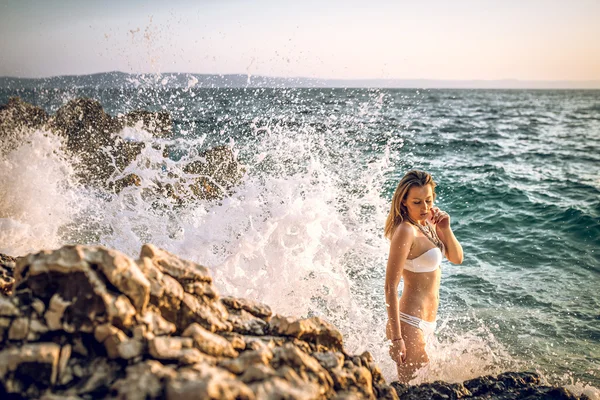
<point x="420" y="234"/>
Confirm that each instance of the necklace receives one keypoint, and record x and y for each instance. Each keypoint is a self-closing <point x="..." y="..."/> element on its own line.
<point x="429" y="232"/>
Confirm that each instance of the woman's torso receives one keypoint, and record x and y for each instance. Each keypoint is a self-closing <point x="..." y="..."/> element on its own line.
<point x="420" y="296"/>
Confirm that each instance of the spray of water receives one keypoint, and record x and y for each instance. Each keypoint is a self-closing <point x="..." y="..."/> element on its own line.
<point x="302" y="232"/>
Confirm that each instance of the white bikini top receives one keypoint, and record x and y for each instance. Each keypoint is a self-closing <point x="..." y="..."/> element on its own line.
<point x="426" y="262"/>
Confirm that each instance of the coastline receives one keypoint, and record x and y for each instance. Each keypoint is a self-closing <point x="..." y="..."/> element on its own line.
<point x="156" y="327"/>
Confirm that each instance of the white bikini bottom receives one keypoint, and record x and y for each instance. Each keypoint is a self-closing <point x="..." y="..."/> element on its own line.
<point x="428" y="328"/>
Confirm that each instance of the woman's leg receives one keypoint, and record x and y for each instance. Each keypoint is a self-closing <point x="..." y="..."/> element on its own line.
<point x="416" y="356"/>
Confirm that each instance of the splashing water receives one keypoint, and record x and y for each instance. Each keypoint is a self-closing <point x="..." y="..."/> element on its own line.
<point x="302" y="232"/>
<point x="37" y="196"/>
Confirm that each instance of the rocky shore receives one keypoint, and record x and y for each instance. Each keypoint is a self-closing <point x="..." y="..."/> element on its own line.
<point x="85" y="322"/>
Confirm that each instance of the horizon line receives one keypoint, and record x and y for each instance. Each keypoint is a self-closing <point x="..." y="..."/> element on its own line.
<point x="379" y="82"/>
<point x="304" y="77"/>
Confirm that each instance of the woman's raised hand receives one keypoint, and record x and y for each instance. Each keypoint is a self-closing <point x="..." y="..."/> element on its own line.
<point x="440" y="218"/>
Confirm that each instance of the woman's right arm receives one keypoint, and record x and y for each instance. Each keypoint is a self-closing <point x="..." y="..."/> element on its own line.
<point x="400" y="245"/>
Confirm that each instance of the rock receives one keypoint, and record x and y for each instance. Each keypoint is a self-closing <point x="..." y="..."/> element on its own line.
<point x="245" y="323"/>
<point x="205" y="313"/>
<point x="63" y="374"/>
<point x="94" y="377"/>
<point x="55" y="312"/>
<point x="174" y="349"/>
<point x="143" y="381"/>
<point x="7" y="308"/>
<point x="87" y="130"/>
<point x="156" y="324"/>
<point x="165" y="292"/>
<point x="208" y="342"/>
<point x="120" y="184"/>
<point x="91" y="136"/>
<point x="112" y="338"/>
<point x="201" y="289"/>
<point x="83" y="278"/>
<point x="313" y="330"/>
<point x="18" y="329"/>
<point x="253" y="307"/>
<point x="159" y="124"/>
<point x="207" y="383"/>
<point x="257" y="373"/>
<point x="290" y="355"/>
<point x="279" y="388"/>
<point x="216" y="175"/>
<point x="130" y="348"/>
<point x="246" y="359"/>
<point x="330" y="360"/>
<point x="507" y="386"/>
<point x="16" y="118"/>
<point x="30" y="364"/>
<point x="7" y="266"/>
<point x="237" y="341"/>
<point x="183" y="271"/>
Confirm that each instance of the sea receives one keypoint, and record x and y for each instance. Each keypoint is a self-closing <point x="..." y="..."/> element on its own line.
<point x="517" y="170"/>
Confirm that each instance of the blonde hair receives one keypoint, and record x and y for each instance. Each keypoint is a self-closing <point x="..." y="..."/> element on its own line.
<point x="398" y="210"/>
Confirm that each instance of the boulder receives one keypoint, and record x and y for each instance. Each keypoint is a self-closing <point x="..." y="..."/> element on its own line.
<point x="17" y="117"/>
<point x="101" y="155"/>
<point x="215" y="175"/>
<point x="159" y="124"/>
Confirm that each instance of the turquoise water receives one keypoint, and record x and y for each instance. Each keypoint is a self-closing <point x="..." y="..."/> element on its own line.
<point x="518" y="171"/>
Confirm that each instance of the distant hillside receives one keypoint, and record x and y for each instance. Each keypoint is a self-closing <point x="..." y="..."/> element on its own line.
<point x="184" y="80"/>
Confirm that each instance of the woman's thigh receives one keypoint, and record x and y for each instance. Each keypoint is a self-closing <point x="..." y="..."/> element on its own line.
<point x="416" y="355"/>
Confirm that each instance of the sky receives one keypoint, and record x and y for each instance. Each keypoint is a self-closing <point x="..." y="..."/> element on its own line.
<point x="436" y="39"/>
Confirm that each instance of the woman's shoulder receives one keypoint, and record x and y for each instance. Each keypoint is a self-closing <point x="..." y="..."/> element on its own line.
<point x="405" y="231"/>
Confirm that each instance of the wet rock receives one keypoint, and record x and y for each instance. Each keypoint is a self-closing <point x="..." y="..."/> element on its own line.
<point x="216" y="175"/>
<point x="16" y="118"/>
<point x="159" y="124"/>
<point x="507" y="386"/>
<point x="92" y="137"/>
<point x="120" y="184"/>
<point x="87" y="130"/>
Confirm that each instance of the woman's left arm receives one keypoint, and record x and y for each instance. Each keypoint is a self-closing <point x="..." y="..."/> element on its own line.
<point x="454" y="251"/>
